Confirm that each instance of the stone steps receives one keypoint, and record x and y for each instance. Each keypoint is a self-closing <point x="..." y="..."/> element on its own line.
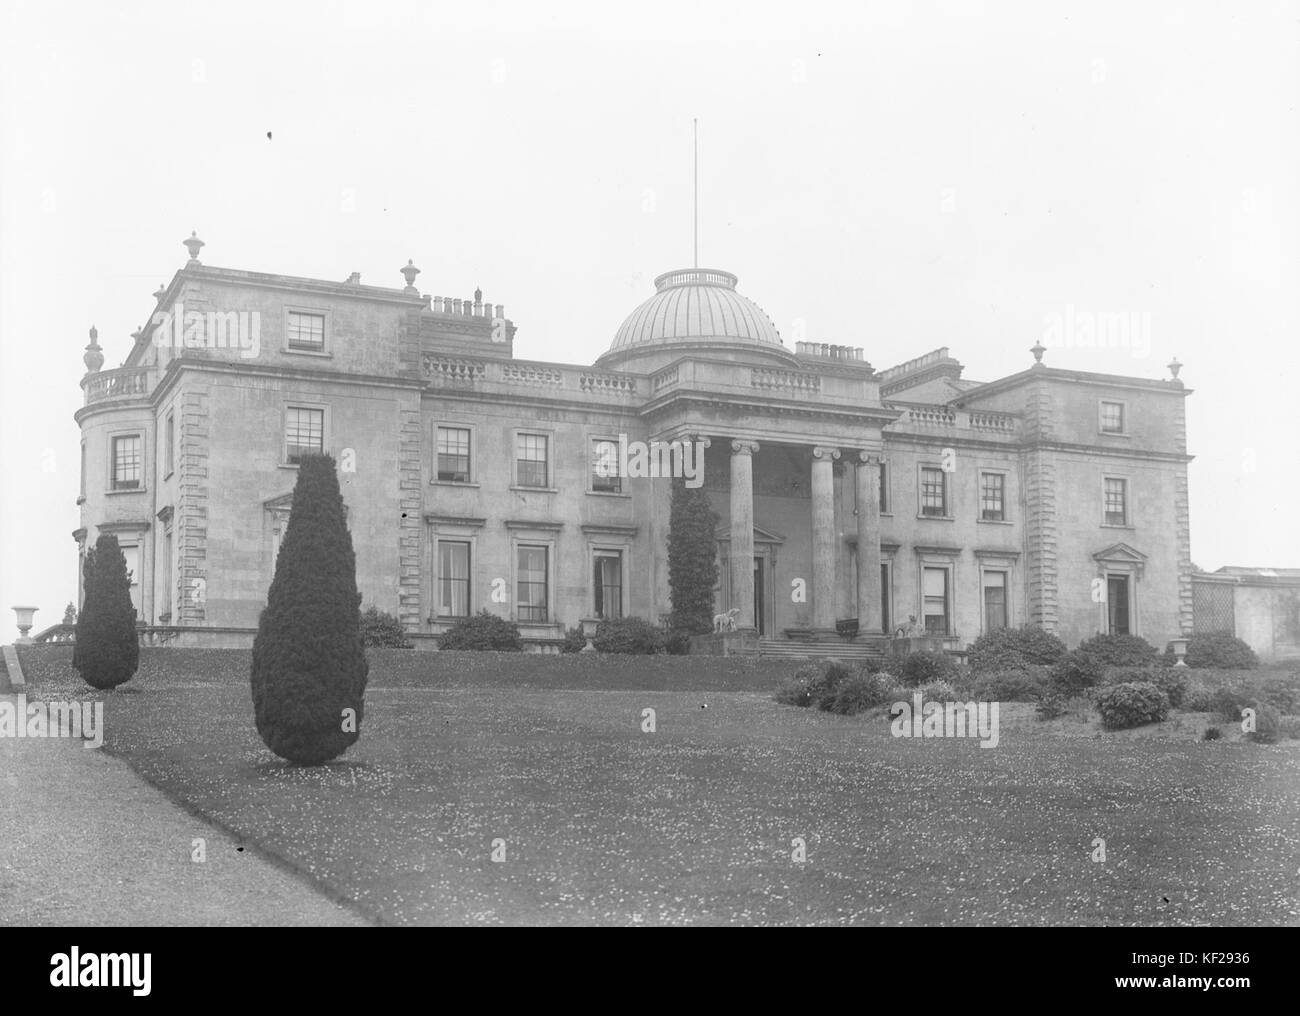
<point x="782" y="649"/>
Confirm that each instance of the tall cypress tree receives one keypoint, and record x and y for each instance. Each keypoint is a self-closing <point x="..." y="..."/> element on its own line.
<point x="692" y="558"/>
<point x="107" y="650"/>
<point x="309" y="666"/>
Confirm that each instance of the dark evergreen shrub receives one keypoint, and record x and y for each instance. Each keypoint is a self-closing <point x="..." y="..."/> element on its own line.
<point x="692" y="558"/>
<point x="831" y="674"/>
<point x="107" y="650"/>
<point x="1118" y="651"/>
<point x="1212" y="734"/>
<point x="382" y="630"/>
<point x="574" y="641"/>
<point x="483" y="632"/>
<point x="1027" y="685"/>
<point x="1131" y="705"/>
<point x="632" y="635"/>
<point x="1220" y="650"/>
<point x="1014" y="648"/>
<point x="309" y="666"/>
<point x="862" y="691"/>
<point x="1170" y="680"/>
<point x="1077" y="672"/>
<point x="925" y="666"/>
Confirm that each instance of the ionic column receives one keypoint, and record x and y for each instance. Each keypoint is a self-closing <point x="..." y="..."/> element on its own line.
<point x="868" y="543"/>
<point x="742" y="531"/>
<point x="823" y="520"/>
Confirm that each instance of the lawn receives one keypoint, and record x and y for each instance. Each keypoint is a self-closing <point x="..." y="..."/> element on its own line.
<point x="603" y="823"/>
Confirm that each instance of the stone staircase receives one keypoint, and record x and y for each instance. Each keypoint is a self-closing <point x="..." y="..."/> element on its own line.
<point x="840" y="649"/>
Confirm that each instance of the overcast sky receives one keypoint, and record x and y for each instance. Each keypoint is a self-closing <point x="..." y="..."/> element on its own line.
<point x="894" y="176"/>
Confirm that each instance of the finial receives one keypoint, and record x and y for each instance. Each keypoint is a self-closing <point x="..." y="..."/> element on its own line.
<point x="136" y="335"/>
<point x="1174" y="367"/>
<point x="478" y="296"/>
<point x="160" y="292"/>
<point x="1038" y="349"/>
<point x="192" y="245"/>
<point x="94" y="356"/>
<point x="409" y="273"/>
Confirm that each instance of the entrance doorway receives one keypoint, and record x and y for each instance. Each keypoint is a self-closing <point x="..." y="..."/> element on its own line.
<point x="760" y="598"/>
<point x="1117" y="605"/>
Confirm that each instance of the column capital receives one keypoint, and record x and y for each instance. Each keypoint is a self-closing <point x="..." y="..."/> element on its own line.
<point x="870" y="458"/>
<point x="825" y="452"/>
<point x="741" y="447"/>
<point x="700" y="439"/>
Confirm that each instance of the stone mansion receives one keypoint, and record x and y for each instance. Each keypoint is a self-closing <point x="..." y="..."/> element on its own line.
<point x="474" y="479"/>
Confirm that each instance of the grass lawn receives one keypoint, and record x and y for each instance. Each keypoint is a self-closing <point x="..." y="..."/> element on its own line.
<point x="694" y="823"/>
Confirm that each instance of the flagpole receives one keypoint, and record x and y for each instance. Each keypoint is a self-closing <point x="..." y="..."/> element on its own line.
<point x="696" y="129"/>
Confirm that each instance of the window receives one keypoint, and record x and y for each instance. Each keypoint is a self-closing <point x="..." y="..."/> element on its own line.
<point x="995" y="600"/>
<point x="1112" y="418"/>
<point x="530" y="602"/>
<point x="991" y="497"/>
<point x="82" y="490"/>
<point x="604" y="467"/>
<point x="306" y="331"/>
<point x="933" y="499"/>
<point x="169" y="453"/>
<point x="453" y="454"/>
<point x="304" y="433"/>
<point x="453" y="578"/>
<point x="607" y="583"/>
<point x="126" y="462"/>
<point x="884" y="495"/>
<point x="1116" y="501"/>
<point x="935" y="607"/>
<point x="530" y="460"/>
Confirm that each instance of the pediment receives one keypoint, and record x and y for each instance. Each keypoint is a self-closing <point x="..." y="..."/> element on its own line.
<point x="723" y="534"/>
<point x="280" y="503"/>
<point x="1120" y="553"/>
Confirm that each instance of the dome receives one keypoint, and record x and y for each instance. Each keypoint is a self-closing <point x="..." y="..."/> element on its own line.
<point x="696" y="303"/>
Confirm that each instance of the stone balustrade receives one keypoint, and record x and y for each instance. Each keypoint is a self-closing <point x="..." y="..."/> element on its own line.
<point x="124" y="382"/>
<point x="923" y="416"/>
<point x="441" y="369"/>
<point x="775" y="379"/>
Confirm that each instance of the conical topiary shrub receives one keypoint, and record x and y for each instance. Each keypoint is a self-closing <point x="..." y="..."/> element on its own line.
<point x="107" y="650"/>
<point x="309" y="666"/>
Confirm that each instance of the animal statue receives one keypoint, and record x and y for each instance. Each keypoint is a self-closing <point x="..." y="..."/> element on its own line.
<point x="727" y="621"/>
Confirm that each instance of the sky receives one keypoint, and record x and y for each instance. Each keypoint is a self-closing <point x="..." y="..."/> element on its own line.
<point x="895" y="176"/>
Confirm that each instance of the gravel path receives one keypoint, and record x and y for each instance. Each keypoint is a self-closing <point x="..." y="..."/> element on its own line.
<point x="84" y="841"/>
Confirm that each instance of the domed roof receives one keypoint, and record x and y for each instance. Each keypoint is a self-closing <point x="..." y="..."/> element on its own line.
<point x="696" y="303"/>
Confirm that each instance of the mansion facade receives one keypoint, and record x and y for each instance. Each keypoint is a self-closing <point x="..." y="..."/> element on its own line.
<point x="475" y="480"/>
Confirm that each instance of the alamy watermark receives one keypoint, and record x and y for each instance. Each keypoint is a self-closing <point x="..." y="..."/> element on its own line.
<point x="80" y="719"/>
<point x="215" y="329"/>
<point x="633" y="459"/>
<point x="945" y="719"/>
<point x="1082" y="329"/>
